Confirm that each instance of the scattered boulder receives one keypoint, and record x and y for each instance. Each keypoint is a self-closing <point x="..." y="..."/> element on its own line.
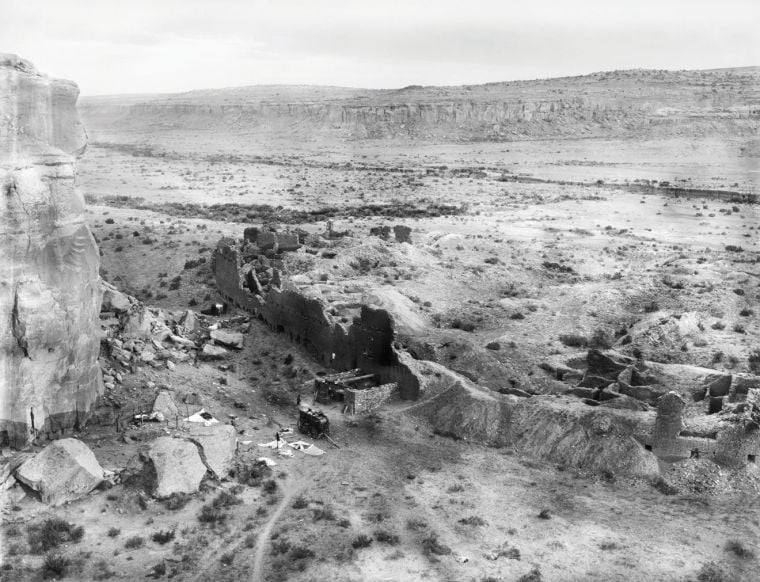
<point x="229" y="339"/>
<point x="114" y="300"/>
<point x="217" y="444"/>
<point x="212" y="352"/>
<point x="189" y="321"/>
<point x="63" y="471"/>
<point x="165" y="404"/>
<point x="178" y="466"/>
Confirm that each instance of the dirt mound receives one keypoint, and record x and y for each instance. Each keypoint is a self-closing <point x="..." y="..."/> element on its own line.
<point x="557" y="430"/>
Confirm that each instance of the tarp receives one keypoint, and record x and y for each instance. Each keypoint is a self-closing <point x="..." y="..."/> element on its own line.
<point x="273" y="444"/>
<point x="307" y="448"/>
<point x="202" y="417"/>
<point x="269" y="462"/>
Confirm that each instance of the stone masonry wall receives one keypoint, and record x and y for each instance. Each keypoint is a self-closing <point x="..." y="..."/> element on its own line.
<point x="360" y="401"/>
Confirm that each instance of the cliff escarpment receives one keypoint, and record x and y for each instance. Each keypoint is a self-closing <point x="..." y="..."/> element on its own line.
<point x="49" y="284"/>
<point x="620" y="103"/>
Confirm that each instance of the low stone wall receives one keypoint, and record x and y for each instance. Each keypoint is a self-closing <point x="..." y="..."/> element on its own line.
<point x="367" y="400"/>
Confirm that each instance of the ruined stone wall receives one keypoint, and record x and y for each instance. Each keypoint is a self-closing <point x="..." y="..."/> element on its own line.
<point x="367" y="400"/>
<point x="368" y="343"/>
<point x="50" y="291"/>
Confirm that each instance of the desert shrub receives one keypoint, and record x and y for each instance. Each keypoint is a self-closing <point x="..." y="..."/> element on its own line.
<point x="718" y="325"/>
<point x="754" y="361"/>
<point x="176" y="501"/>
<point x="746" y="312"/>
<point x="211" y="515"/>
<point x="227" y="558"/>
<point x="573" y="340"/>
<point x="109" y="221"/>
<point x="533" y="576"/>
<point x="279" y="546"/>
<point x="495" y="346"/>
<point x="102" y="571"/>
<point x="712" y="572"/>
<point x="431" y="545"/>
<point x="600" y="339"/>
<point x="734" y="249"/>
<point x="386" y="537"/>
<point x="55" y="565"/>
<point x="739" y="549"/>
<point x="270" y="486"/>
<point x="473" y="520"/>
<point x="163" y="537"/>
<point x="134" y="542"/>
<point x="456" y="488"/>
<point x="651" y="307"/>
<point x="51" y="533"/>
<point x="544" y="514"/>
<point x="13" y="531"/>
<point x="226" y="499"/>
<point x="301" y="553"/>
<point x="463" y="325"/>
<point x="250" y="540"/>
<point x="300" y="502"/>
<point x="361" y="541"/>
<point x="739" y="328"/>
<point x="607" y="546"/>
<point x="324" y="512"/>
<point x="344" y="523"/>
<point x="113" y="532"/>
<point x="415" y="524"/>
<point x="663" y="486"/>
<point x="517" y="315"/>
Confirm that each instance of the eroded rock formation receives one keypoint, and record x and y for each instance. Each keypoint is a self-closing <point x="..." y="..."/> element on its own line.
<point x="49" y="284"/>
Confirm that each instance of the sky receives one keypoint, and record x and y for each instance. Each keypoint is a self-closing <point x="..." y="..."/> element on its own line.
<point x="161" y="46"/>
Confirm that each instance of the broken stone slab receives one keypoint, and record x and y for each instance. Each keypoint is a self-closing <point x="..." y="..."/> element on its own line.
<point x="211" y="352"/>
<point x="607" y="364"/>
<point x="230" y="339"/>
<point x="63" y="471"/>
<point x="189" y="321"/>
<point x="178" y="466"/>
<point x="182" y="341"/>
<point x="165" y="404"/>
<point x="217" y="443"/>
<point x="648" y="394"/>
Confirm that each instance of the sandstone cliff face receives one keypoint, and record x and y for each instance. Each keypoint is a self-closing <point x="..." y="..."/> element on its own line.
<point x="49" y="284"/>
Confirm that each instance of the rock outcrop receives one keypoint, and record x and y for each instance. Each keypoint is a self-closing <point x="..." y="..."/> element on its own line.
<point x="49" y="284"/>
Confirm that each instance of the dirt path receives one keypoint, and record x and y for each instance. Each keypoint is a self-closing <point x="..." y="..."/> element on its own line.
<point x="262" y="542"/>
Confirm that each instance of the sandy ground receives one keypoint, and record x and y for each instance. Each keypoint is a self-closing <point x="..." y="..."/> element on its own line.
<point x="392" y="479"/>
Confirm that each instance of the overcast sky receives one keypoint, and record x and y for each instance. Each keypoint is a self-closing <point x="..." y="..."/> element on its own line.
<point x="149" y="46"/>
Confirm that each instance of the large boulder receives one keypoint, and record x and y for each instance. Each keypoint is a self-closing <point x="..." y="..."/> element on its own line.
<point x="178" y="466"/>
<point x="227" y="338"/>
<point x="50" y="293"/>
<point x="217" y="443"/>
<point x="63" y="471"/>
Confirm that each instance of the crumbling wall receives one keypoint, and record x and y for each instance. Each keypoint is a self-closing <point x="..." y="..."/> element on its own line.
<point x="358" y="401"/>
<point x="367" y="343"/>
